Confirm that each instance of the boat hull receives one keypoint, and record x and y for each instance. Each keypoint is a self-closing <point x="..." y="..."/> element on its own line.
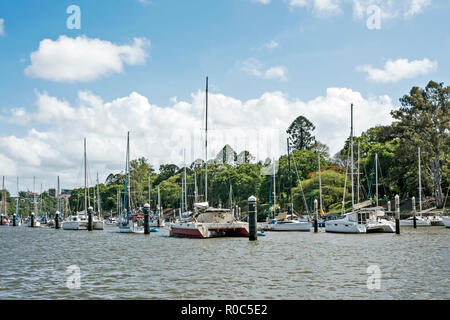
<point x="420" y="222"/>
<point x="209" y="230"/>
<point x="299" y="226"/>
<point x="99" y="225"/>
<point x="380" y="227"/>
<point x="446" y="221"/>
<point x="74" y="225"/>
<point x="337" y="226"/>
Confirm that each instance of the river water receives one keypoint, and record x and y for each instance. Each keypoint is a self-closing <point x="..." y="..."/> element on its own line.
<point x="43" y="263"/>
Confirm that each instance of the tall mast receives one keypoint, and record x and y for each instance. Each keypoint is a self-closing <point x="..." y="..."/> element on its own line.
<point x="420" y="185"/>
<point x="320" y="183"/>
<point x="34" y="195"/>
<point x="185" y="183"/>
<point x="18" y="198"/>
<point x="352" y="160"/>
<point x="58" y="196"/>
<point x="149" y="189"/>
<point x="129" y="180"/>
<point x="159" y="203"/>
<point x="4" y="196"/>
<point x="85" y="179"/>
<point x="124" y="206"/>
<point x="274" y="188"/>
<point x="231" y="196"/>
<point x="195" y="187"/>
<point x="291" y="202"/>
<point x="376" y="176"/>
<point x="99" y="202"/>
<point x="357" y="174"/>
<point x="206" y="144"/>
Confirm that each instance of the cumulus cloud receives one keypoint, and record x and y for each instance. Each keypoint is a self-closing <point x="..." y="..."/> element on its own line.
<point x="255" y="68"/>
<point x="161" y="133"/>
<point x="82" y="59"/>
<point x="397" y="70"/>
<point x="2" y="27"/>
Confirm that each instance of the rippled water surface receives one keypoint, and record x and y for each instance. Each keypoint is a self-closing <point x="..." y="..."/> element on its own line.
<point x="414" y="265"/>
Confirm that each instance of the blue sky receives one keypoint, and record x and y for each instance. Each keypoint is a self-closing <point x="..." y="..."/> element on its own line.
<point x="313" y="48"/>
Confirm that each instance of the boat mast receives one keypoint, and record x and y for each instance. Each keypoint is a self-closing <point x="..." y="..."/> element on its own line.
<point x="320" y="184"/>
<point x="420" y="185"/>
<point x="85" y="179"/>
<point x="4" y="196"/>
<point x="376" y="176"/>
<point x="58" y="196"/>
<point x="291" y="202"/>
<point x="358" y="173"/>
<point x="185" y="182"/>
<point x="352" y="160"/>
<point x="159" y="202"/>
<point x="18" y="198"/>
<point x="274" y="189"/>
<point x="195" y="186"/>
<point x="128" y="172"/>
<point x="124" y="206"/>
<point x="34" y="196"/>
<point x="149" y="189"/>
<point x="206" y="144"/>
<point x="99" y="202"/>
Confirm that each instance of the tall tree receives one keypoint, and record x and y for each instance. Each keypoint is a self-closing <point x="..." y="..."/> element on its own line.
<point x="424" y="120"/>
<point x="300" y="134"/>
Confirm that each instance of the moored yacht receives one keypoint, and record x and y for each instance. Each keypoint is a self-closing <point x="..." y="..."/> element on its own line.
<point x="349" y="223"/>
<point x="420" y="222"/>
<point x="78" y="222"/>
<point x="213" y="222"/>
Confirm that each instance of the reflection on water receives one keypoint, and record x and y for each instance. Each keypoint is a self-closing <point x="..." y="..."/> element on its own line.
<point x="414" y="265"/>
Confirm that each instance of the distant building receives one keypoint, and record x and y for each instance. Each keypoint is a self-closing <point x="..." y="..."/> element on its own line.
<point x="66" y="191"/>
<point x="52" y="192"/>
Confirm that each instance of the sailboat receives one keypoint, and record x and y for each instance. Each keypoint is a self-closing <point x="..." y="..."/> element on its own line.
<point x="354" y="221"/>
<point x="34" y="214"/>
<point x="79" y="221"/>
<point x="420" y="221"/>
<point x="130" y="223"/>
<point x="97" y="221"/>
<point x="207" y="221"/>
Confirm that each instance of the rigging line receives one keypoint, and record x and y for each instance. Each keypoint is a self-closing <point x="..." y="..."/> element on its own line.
<point x="345" y="182"/>
<point x="301" y="187"/>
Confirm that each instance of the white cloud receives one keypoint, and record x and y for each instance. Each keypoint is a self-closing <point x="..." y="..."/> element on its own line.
<point x="255" y="68"/>
<point x="83" y="59"/>
<point x="161" y="134"/>
<point x="417" y="7"/>
<point x="2" y="27"/>
<point x="320" y="7"/>
<point x="271" y="45"/>
<point x="399" y="69"/>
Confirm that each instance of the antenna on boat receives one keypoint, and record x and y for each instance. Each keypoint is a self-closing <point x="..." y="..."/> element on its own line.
<point x="206" y="144"/>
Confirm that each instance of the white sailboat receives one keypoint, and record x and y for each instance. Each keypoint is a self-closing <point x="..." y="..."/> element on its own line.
<point x="129" y="223"/>
<point x="79" y="221"/>
<point x="420" y="221"/>
<point x="97" y="221"/>
<point x="34" y="216"/>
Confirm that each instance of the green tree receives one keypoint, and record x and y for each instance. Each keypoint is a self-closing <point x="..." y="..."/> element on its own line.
<point x="300" y="134"/>
<point x="424" y="120"/>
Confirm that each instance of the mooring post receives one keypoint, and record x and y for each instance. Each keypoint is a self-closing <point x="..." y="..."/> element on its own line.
<point x="57" y="220"/>
<point x="252" y="219"/>
<point x="14" y="220"/>
<point x="397" y="214"/>
<point x="90" y="221"/>
<point x="1" y="219"/>
<point x="389" y="206"/>
<point x="316" y="213"/>
<point x="32" y="220"/>
<point x="146" y="219"/>
<point x="414" y="211"/>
